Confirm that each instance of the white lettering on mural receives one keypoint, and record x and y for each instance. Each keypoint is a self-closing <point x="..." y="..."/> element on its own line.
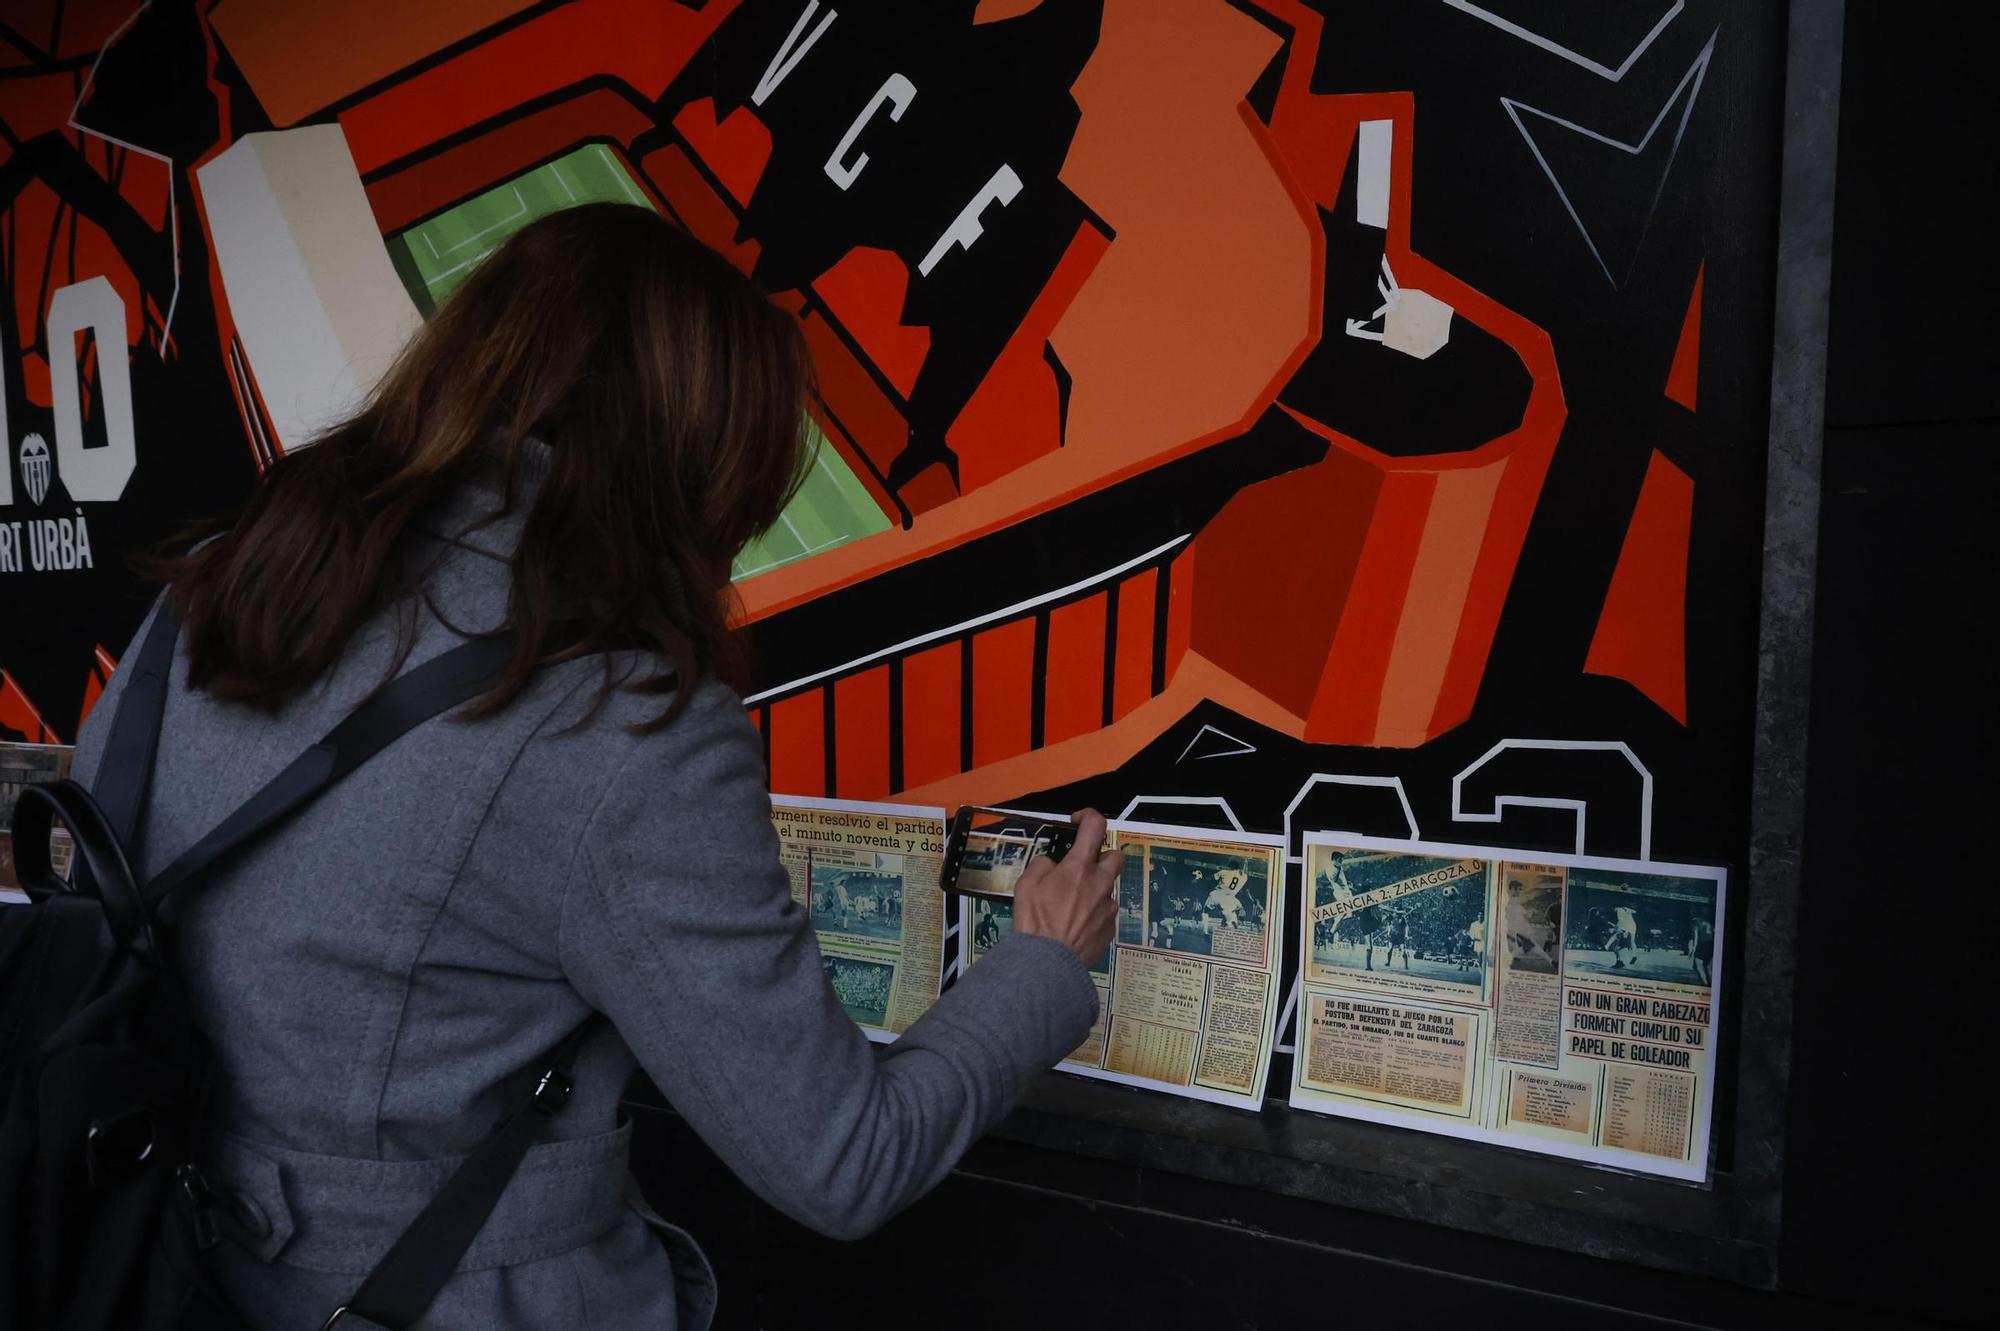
<point x="92" y="475"/>
<point x="45" y="545"/>
<point x="897" y="93"/>
<point x="791" y="51"/>
<point x="966" y="227"/>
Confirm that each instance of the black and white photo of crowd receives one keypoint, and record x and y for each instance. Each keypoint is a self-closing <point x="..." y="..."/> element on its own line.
<point x="861" y="986"/>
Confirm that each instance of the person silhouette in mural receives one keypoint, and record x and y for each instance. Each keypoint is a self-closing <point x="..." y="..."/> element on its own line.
<point x="566" y="459"/>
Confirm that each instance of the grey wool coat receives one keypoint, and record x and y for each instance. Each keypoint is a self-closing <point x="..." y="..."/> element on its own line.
<point x="377" y="974"/>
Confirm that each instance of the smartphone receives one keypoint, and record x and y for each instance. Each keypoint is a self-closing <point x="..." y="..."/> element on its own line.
<point x="987" y="850"/>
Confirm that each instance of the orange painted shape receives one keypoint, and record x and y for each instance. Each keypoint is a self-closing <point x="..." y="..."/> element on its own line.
<point x="737" y="150"/>
<point x="699" y="207"/>
<point x="1003" y="688"/>
<point x="1073" y="690"/>
<point x="861" y="735"/>
<point x="1687" y="352"/>
<point x="1132" y="666"/>
<point x="1641" y="634"/>
<point x="865" y="292"/>
<point x="931" y="708"/>
<point x="997" y="11"/>
<point x="1211" y="286"/>
<point x="1448" y="554"/>
<point x="798" y="745"/>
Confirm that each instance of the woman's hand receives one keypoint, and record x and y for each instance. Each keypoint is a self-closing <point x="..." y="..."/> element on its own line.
<point x="1074" y="900"/>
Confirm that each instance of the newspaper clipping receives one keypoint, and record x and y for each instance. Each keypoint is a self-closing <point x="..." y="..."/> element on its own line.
<point x="868" y="876"/>
<point x="26" y="765"/>
<point x="1188" y="991"/>
<point x="1560" y="1003"/>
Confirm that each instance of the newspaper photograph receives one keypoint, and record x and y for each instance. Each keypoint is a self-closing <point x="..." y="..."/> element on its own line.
<point x="1188" y="991"/>
<point x="24" y="765"/>
<point x="1527" y="1025"/>
<point x="1583" y="1030"/>
<point x="1396" y="923"/>
<point x="867" y="877"/>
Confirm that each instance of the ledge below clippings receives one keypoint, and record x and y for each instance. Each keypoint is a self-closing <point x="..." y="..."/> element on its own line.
<point x="1389" y="1171"/>
<point x="1130" y="1147"/>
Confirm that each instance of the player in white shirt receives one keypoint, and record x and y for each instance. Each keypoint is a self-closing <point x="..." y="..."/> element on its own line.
<point x="1227" y="896"/>
<point x="1624" y="936"/>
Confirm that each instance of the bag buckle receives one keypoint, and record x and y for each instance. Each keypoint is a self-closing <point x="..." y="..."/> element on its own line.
<point x="552" y="1091"/>
<point x="200" y="1199"/>
<point x="338" y="1313"/>
<point x="117" y="1144"/>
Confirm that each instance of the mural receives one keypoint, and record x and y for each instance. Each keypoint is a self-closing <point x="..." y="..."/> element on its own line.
<point x="1245" y="411"/>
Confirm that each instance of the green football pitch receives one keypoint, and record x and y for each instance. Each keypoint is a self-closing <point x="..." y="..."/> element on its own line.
<point x="433" y="257"/>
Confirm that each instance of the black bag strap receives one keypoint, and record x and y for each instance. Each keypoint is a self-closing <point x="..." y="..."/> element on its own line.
<point x="407" y="1279"/>
<point x="126" y="768"/>
<point x="436" y="686"/>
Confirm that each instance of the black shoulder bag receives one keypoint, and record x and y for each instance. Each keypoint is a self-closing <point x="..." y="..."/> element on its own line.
<point x="103" y="1078"/>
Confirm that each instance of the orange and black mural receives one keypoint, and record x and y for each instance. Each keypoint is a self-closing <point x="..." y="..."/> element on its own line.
<point x="1255" y="410"/>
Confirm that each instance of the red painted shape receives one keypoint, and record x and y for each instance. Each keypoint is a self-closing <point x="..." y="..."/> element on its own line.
<point x="1271" y="573"/>
<point x="865" y="292"/>
<point x="1003" y="688"/>
<point x="1073" y="689"/>
<point x="1686" y="368"/>
<point x="798" y="744"/>
<point x="1180" y="609"/>
<point x="931" y="705"/>
<point x="19" y="715"/>
<point x="873" y="423"/>
<point x="1015" y="414"/>
<point x="643" y="46"/>
<point x="700" y="209"/>
<point x="736" y="151"/>
<point x="101" y="666"/>
<point x="1349" y="694"/>
<point x="403" y="198"/>
<point x="928" y="489"/>
<point x="1641" y="633"/>
<point x="1132" y="667"/>
<point x="861" y="739"/>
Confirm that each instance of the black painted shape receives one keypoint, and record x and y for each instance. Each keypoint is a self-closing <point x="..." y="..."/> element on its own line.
<point x="1048" y="551"/>
<point x="986" y="95"/>
<point x="1467" y="393"/>
<point x="1607" y="34"/>
<point x="1611" y="194"/>
<point x="150" y="88"/>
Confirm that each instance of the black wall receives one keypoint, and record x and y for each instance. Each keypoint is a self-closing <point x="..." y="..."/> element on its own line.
<point x="1885" y="1171"/>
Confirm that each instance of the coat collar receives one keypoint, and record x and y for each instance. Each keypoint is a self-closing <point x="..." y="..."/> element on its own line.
<point x="473" y="515"/>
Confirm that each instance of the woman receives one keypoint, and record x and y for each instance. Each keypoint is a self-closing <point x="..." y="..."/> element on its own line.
<point x="570" y="453"/>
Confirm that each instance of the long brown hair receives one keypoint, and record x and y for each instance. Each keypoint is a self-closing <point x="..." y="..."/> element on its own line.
<point x="671" y="394"/>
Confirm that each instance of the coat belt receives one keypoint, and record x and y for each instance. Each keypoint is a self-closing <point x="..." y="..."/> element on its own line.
<point x="341" y="1213"/>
